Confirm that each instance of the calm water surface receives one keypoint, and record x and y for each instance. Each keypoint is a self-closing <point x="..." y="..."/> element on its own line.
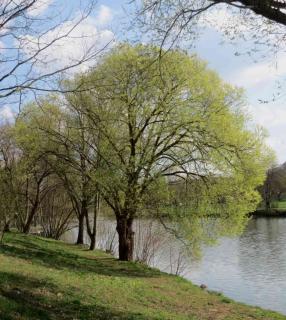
<point x="250" y="268"/>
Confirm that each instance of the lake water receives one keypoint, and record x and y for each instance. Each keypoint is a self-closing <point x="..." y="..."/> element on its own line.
<point x="250" y="268"/>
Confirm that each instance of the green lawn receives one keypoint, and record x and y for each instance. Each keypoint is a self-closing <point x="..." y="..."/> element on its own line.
<point x="276" y="206"/>
<point x="279" y="204"/>
<point x="46" y="279"/>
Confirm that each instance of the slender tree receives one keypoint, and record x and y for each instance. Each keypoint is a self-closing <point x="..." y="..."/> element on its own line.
<point x="61" y="139"/>
<point x="9" y="178"/>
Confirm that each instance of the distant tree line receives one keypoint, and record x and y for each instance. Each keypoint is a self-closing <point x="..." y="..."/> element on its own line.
<point x="274" y="187"/>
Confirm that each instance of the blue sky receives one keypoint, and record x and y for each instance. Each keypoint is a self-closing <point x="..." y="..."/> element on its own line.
<point x="258" y="78"/>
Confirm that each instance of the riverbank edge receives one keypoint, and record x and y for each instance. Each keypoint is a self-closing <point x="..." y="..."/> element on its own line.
<point x="25" y="259"/>
<point x="279" y="213"/>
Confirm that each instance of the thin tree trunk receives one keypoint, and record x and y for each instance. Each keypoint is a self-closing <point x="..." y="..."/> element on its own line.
<point x="92" y="233"/>
<point x="126" y="237"/>
<point x="32" y="213"/>
<point x="2" y="232"/>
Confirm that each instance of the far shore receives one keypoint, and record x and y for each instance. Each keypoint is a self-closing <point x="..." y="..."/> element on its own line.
<point x="269" y="213"/>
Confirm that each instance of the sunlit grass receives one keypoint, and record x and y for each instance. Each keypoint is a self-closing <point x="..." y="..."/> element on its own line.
<point x="45" y="279"/>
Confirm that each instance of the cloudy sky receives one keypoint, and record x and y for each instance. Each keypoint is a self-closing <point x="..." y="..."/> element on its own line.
<point x="257" y="77"/>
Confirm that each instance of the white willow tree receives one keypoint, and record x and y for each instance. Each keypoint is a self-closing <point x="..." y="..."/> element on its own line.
<point x="170" y="118"/>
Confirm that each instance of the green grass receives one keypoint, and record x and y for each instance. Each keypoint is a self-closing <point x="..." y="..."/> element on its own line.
<point x="51" y="280"/>
<point x="277" y="207"/>
<point x="279" y="204"/>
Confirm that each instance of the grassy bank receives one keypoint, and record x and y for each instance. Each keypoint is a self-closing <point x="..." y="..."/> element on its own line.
<point x="278" y="209"/>
<point x="45" y="279"/>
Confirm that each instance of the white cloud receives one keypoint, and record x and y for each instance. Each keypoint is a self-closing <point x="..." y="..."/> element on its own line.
<point x="259" y="79"/>
<point x="2" y="45"/>
<point x="269" y="115"/>
<point x="250" y="36"/>
<point x="104" y="16"/>
<point x="224" y="20"/>
<point x="39" y="8"/>
<point x="6" y="114"/>
<point x="36" y="9"/>
<point x="257" y="74"/>
<point x="279" y="145"/>
<point x="74" y="43"/>
<point x="273" y="118"/>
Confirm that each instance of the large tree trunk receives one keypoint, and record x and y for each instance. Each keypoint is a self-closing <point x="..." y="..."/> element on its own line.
<point x="7" y="227"/>
<point x="80" y="235"/>
<point x="92" y="243"/>
<point x="126" y="237"/>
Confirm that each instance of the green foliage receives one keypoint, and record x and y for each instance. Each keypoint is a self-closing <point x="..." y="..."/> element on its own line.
<point x="163" y="138"/>
<point x="9" y="178"/>
<point x="167" y="121"/>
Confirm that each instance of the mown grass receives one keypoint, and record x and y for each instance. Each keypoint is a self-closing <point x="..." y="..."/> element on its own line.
<point x="51" y="280"/>
<point x="279" y="205"/>
<point x="278" y="208"/>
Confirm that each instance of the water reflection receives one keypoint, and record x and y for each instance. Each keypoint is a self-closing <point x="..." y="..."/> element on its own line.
<point x="250" y="268"/>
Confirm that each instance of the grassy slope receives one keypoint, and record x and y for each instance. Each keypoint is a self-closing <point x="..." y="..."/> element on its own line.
<point x="45" y="279"/>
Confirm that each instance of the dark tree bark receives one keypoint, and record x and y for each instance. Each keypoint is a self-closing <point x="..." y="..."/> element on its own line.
<point x="28" y="223"/>
<point x="91" y="231"/>
<point x="273" y="10"/>
<point x="80" y="235"/>
<point x="268" y="205"/>
<point x="7" y="227"/>
<point x="126" y="237"/>
<point x="39" y="196"/>
<point x="92" y="243"/>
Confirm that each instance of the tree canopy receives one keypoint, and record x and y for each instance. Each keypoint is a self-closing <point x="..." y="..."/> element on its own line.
<point x="167" y="121"/>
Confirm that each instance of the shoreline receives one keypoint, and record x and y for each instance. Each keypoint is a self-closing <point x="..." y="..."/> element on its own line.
<point x="273" y="213"/>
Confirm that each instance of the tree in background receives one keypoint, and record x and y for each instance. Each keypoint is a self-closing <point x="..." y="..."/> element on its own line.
<point x="274" y="186"/>
<point x="56" y="132"/>
<point x="56" y="212"/>
<point x="9" y="179"/>
<point x="170" y="118"/>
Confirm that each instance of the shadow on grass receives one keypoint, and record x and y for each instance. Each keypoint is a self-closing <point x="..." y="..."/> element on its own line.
<point x="69" y="257"/>
<point x="29" y="298"/>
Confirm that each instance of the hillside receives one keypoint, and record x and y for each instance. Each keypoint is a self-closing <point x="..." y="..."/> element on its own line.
<point x="51" y="280"/>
